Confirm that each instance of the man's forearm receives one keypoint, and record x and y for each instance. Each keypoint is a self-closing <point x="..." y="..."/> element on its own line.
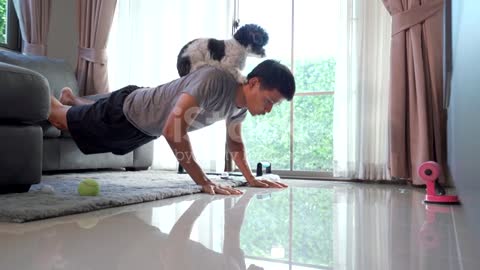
<point x="184" y="154"/>
<point x="183" y="227"/>
<point x="238" y="154"/>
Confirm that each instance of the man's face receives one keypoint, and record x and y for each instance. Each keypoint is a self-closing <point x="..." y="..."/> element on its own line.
<point x="261" y="101"/>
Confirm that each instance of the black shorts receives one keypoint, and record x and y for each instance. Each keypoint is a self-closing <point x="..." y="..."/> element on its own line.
<point x="102" y="126"/>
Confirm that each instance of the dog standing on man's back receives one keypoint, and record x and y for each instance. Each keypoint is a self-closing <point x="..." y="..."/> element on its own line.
<point x="230" y="54"/>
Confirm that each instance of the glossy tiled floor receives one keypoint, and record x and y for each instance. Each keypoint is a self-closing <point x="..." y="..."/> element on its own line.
<point x="311" y="225"/>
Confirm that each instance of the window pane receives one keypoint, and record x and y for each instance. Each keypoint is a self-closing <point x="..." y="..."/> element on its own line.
<point x="3" y="21"/>
<point x="315" y="50"/>
<point x="315" y="74"/>
<point x="276" y="21"/>
<point x="315" y="44"/>
<point x="267" y="137"/>
<point x="313" y="138"/>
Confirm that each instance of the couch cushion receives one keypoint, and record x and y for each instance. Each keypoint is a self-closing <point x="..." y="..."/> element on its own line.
<point x="63" y="154"/>
<point x="49" y="131"/>
<point x="57" y="71"/>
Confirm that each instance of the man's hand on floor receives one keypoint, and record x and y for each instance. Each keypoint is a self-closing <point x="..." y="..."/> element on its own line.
<point x="264" y="183"/>
<point x="212" y="188"/>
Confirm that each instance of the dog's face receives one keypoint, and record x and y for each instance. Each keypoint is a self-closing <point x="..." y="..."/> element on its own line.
<point x="253" y="37"/>
<point x="254" y="50"/>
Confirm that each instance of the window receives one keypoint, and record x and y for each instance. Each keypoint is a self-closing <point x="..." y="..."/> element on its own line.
<point x="296" y="137"/>
<point x="9" y="32"/>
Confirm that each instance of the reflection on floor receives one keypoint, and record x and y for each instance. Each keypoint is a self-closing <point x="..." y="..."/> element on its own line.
<point x="310" y="225"/>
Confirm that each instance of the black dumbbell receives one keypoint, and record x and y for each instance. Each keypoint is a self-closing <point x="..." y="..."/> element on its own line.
<point x="266" y="165"/>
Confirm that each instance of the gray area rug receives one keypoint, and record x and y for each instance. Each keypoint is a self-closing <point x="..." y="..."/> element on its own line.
<point x="116" y="189"/>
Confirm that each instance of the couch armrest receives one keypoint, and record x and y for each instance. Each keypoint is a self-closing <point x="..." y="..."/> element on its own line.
<point x="24" y="95"/>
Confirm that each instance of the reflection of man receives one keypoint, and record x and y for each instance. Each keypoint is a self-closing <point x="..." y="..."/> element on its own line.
<point x="196" y="255"/>
<point x="125" y="241"/>
<point x="234" y="218"/>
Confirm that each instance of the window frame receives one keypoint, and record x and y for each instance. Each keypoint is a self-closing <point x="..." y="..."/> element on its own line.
<point x="290" y="173"/>
<point x="13" y="30"/>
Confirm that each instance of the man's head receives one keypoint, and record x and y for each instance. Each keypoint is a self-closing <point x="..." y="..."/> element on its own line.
<point x="268" y="83"/>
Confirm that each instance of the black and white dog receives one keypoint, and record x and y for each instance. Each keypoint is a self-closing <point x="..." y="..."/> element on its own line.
<point x="230" y="54"/>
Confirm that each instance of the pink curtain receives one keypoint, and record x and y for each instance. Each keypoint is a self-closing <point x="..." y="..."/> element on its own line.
<point x="34" y="20"/>
<point x="94" y="20"/>
<point x="418" y="121"/>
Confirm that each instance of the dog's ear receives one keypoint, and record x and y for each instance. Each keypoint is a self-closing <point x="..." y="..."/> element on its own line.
<point x="256" y="38"/>
<point x="259" y="38"/>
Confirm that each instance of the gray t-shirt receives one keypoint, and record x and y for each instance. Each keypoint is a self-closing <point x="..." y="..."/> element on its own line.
<point x="213" y="88"/>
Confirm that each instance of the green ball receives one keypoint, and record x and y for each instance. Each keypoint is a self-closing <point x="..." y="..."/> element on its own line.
<point x="88" y="187"/>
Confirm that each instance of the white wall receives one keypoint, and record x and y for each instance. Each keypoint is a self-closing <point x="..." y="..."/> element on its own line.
<point x="63" y="37"/>
<point x="463" y="124"/>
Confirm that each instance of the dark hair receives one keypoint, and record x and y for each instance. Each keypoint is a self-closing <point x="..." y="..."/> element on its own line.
<point x="272" y="74"/>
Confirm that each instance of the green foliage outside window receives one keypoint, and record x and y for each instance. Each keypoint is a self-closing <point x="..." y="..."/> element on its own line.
<point x="3" y="21"/>
<point x="313" y="138"/>
<point x="315" y="75"/>
<point x="267" y="138"/>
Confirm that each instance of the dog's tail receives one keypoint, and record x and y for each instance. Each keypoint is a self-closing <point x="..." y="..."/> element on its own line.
<point x="183" y="66"/>
<point x="183" y="61"/>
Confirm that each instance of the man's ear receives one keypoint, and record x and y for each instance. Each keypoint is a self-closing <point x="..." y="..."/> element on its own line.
<point x="252" y="82"/>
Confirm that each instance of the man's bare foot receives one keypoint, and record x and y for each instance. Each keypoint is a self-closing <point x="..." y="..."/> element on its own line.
<point x="58" y="114"/>
<point x="67" y="97"/>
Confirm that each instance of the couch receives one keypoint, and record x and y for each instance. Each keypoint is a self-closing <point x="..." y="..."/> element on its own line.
<point x="29" y="145"/>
